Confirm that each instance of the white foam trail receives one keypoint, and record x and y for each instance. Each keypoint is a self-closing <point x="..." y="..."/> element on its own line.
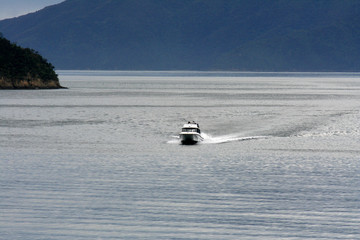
<point x="208" y="139"/>
<point x="176" y="139"/>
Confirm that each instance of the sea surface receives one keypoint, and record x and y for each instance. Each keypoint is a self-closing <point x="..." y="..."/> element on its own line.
<point x="102" y="159"/>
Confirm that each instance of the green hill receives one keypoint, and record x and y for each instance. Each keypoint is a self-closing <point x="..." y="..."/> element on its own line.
<point x="252" y="35"/>
<point x="23" y="68"/>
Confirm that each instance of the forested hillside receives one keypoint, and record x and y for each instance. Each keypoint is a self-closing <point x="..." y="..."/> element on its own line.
<point x="251" y="35"/>
<point x="24" y="68"/>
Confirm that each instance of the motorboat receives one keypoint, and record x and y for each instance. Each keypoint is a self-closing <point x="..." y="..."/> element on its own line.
<point x="190" y="133"/>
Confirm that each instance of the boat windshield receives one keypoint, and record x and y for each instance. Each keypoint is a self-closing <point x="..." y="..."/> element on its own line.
<point x="191" y="130"/>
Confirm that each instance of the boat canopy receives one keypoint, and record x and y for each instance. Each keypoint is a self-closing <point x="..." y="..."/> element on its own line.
<point x="191" y="125"/>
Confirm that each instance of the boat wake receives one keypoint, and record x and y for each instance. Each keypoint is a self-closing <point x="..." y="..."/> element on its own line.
<point x="208" y="139"/>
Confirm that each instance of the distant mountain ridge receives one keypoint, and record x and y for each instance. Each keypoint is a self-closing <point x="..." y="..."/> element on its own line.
<point x="250" y="35"/>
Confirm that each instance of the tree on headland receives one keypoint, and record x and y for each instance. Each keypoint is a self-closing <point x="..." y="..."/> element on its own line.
<point x="24" y="68"/>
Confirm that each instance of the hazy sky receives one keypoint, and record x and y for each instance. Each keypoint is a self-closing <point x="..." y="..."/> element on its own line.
<point x="15" y="8"/>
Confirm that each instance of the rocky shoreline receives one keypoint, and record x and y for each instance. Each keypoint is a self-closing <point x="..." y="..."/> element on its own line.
<point x="28" y="83"/>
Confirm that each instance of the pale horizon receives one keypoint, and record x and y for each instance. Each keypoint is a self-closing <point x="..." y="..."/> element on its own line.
<point x="16" y="8"/>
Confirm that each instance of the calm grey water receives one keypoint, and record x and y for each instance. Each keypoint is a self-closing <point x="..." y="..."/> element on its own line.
<point x="102" y="160"/>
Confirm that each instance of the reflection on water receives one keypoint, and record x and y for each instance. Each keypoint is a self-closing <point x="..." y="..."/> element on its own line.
<point x="102" y="160"/>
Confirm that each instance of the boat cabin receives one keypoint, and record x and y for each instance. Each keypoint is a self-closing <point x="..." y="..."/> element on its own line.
<point x="191" y="127"/>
